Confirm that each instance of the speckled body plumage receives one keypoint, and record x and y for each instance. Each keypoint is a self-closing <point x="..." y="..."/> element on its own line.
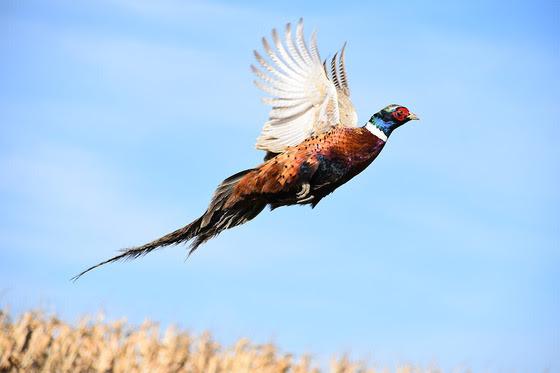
<point x="325" y="161"/>
<point x="312" y="141"/>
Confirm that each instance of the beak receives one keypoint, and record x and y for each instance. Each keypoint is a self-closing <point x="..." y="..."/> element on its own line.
<point x="412" y="116"/>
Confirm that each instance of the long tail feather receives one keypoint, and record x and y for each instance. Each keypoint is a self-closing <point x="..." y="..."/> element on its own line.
<point x="216" y="219"/>
<point x="173" y="238"/>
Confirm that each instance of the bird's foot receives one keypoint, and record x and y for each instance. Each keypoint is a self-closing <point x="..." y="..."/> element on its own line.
<point x="304" y="191"/>
<point x="305" y="200"/>
<point x="303" y="195"/>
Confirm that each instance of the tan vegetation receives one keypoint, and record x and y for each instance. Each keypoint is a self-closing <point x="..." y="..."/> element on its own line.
<point x="36" y="343"/>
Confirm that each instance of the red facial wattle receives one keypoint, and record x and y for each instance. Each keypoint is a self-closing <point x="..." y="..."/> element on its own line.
<point x="401" y="114"/>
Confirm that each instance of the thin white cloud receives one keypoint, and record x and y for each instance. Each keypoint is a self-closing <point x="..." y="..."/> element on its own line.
<point x="67" y="190"/>
<point x="175" y="78"/>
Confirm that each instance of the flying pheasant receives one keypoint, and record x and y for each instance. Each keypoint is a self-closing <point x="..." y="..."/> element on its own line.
<point x="312" y="141"/>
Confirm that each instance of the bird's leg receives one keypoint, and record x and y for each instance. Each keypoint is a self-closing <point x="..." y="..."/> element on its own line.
<point x="303" y="195"/>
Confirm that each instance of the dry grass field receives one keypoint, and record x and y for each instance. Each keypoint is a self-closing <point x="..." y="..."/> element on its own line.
<point x="37" y="343"/>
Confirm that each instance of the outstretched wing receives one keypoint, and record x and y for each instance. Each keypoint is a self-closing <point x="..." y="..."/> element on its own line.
<point x="305" y="100"/>
<point x="337" y="75"/>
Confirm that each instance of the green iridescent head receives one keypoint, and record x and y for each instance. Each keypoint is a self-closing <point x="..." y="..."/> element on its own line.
<point x="391" y="117"/>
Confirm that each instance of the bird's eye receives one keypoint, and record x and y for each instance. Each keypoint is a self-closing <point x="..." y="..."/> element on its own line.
<point x="400" y="114"/>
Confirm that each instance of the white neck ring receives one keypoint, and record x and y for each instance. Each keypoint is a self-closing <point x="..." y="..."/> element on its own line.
<point x="376" y="131"/>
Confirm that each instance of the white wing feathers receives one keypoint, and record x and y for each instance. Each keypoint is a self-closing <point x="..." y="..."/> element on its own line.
<point x="337" y="74"/>
<point x="305" y="100"/>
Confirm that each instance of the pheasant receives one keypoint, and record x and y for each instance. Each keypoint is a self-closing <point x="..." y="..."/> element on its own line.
<point x="312" y="141"/>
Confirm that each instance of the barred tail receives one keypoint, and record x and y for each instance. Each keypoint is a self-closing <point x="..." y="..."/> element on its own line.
<point x="216" y="219"/>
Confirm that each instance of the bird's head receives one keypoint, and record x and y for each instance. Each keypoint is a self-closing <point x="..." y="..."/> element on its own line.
<point x="391" y="117"/>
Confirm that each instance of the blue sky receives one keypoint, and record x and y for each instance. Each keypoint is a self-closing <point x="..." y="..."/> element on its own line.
<point x="118" y="120"/>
